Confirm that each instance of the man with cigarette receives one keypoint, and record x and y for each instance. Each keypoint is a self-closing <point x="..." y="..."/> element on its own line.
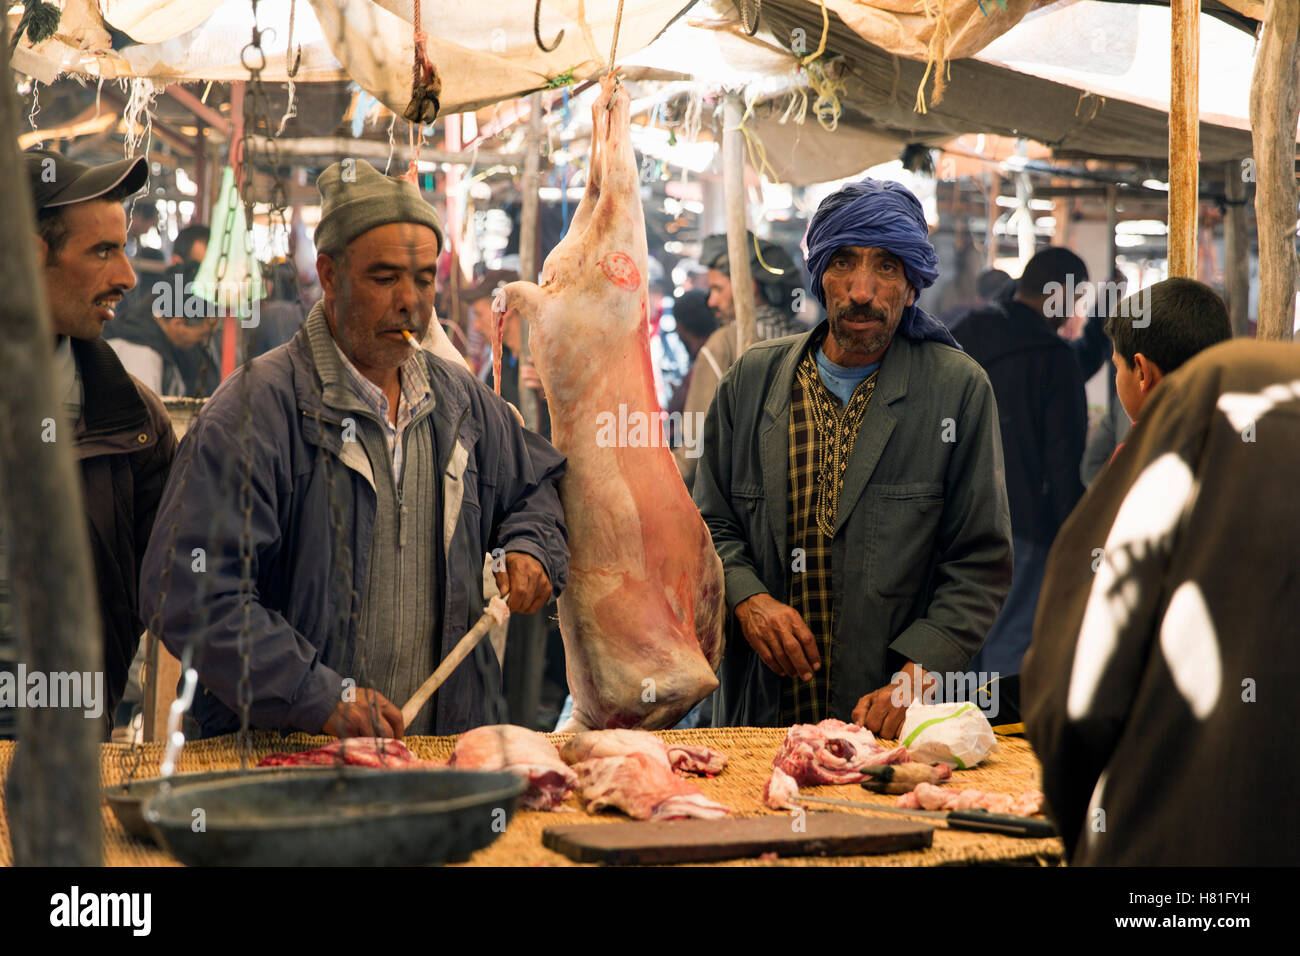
<point x="374" y="476"/>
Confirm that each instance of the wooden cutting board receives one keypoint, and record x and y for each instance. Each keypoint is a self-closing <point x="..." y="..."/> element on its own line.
<point x="694" y="841"/>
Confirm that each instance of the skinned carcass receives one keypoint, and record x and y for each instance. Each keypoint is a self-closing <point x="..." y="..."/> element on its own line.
<point x="642" y="615"/>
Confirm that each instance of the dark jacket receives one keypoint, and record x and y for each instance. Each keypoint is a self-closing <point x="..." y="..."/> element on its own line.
<point x="921" y="558"/>
<point x="499" y="488"/>
<point x="125" y="445"/>
<point x="1159" y="690"/>
<point x="1042" y="411"/>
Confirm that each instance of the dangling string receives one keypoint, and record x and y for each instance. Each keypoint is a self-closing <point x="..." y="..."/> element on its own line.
<point x="421" y="68"/>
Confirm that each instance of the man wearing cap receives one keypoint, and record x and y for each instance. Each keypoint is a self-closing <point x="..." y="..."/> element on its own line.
<point x="852" y="482"/>
<point x="122" y="435"/>
<point x="379" y="474"/>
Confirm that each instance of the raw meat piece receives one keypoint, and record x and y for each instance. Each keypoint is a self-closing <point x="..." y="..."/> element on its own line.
<point x="520" y="751"/>
<point x="902" y="777"/>
<point x="832" y="752"/>
<point x="697" y="759"/>
<point x="781" y="792"/>
<point x="597" y="744"/>
<point x="929" y="797"/>
<point x="684" y="758"/>
<point x="1028" y="803"/>
<point x="381" y="752"/>
<point x="643" y="788"/>
<point x="643" y="612"/>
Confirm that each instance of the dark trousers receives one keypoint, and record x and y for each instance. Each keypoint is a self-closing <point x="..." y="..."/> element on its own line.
<point x="1009" y="638"/>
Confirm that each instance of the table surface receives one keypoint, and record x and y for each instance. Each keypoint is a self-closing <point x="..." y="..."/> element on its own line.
<point x="750" y="751"/>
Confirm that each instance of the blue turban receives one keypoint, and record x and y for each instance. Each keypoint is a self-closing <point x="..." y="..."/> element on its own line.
<point x="887" y="216"/>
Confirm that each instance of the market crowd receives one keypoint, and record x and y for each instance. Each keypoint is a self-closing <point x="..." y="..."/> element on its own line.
<point x="936" y="478"/>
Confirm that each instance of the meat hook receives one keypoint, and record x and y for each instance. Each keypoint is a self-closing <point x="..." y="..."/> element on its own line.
<point x="537" y="30"/>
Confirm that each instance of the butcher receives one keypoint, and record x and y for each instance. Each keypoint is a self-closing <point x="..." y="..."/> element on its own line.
<point x="852" y="481"/>
<point x="379" y="477"/>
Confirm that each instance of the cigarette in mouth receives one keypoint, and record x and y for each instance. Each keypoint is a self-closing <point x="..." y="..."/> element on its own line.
<point x="410" y="340"/>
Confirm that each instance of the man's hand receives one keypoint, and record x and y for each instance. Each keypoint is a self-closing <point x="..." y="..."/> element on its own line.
<point x="525" y="580"/>
<point x="779" y="636"/>
<point x="882" y="711"/>
<point x="528" y="378"/>
<point x="357" y="718"/>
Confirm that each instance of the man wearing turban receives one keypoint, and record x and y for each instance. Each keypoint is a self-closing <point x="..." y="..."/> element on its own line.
<point x="852" y="480"/>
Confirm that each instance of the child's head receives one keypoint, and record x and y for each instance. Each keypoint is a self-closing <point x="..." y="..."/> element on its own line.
<point x="1156" y="330"/>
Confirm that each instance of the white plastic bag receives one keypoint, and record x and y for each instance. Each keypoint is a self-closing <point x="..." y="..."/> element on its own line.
<point x="957" y="734"/>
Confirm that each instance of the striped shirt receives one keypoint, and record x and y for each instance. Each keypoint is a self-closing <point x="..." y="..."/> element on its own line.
<point x="415" y="392"/>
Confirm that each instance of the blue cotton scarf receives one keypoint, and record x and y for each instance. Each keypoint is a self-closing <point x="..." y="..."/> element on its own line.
<point x="885" y="215"/>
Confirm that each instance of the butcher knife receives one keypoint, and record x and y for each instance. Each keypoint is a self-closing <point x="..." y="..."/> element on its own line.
<point x="979" y="820"/>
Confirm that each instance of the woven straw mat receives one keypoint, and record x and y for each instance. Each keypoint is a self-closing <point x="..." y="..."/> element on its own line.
<point x="749" y="751"/>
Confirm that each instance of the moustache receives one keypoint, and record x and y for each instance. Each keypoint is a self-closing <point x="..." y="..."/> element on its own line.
<point x="861" y="312"/>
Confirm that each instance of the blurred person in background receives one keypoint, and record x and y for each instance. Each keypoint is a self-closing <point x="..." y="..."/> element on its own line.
<point x="1043" y="419"/>
<point x="777" y="278"/>
<point x="280" y="314"/>
<point x="190" y="245"/>
<point x="164" y="335"/>
<point x="695" y="323"/>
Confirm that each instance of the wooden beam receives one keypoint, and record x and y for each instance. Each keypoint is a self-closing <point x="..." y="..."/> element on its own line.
<point x="1184" y="135"/>
<point x="1236" y="252"/>
<point x="52" y="792"/>
<point x="331" y="148"/>
<point x="733" y="182"/>
<point x="1274" y="112"/>
<point x="204" y="112"/>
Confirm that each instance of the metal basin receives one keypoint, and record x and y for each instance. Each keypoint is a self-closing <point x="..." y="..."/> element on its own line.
<point x="127" y="800"/>
<point x="330" y="817"/>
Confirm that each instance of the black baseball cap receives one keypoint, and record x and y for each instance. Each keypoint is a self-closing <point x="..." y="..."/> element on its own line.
<point x="56" y="180"/>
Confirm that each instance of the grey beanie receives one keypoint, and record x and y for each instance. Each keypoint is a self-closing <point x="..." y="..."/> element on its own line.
<point x="355" y="197"/>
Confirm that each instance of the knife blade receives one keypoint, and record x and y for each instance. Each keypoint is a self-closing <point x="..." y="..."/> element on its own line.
<point x="975" y="820"/>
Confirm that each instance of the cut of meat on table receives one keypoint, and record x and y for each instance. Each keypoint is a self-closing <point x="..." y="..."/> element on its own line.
<point x="684" y="758"/>
<point x="643" y="788"/>
<point x="520" y="751"/>
<point x="929" y="797"/>
<point x="833" y="752"/>
<point x="903" y="777"/>
<point x="781" y="791"/>
<point x="642" y="616"/>
<point x="380" y="752"/>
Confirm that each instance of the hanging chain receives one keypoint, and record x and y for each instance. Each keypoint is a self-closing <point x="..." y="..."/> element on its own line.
<point x="258" y="146"/>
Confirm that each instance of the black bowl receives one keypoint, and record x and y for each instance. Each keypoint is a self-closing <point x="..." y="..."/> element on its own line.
<point x="335" y="817"/>
<point x="127" y="800"/>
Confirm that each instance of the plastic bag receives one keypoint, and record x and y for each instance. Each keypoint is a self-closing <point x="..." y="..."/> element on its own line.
<point x="957" y="734"/>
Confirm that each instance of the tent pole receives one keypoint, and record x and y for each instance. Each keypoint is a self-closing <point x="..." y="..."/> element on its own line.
<point x="52" y="793"/>
<point x="1184" y="135"/>
<point x="1112" y="220"/>
<point x="530" y="221"/>
<point x="230" y="324"/>
<point x="1236" y="253"/>
<point x="733" y="181"/>
<point x="1274" y="110"/>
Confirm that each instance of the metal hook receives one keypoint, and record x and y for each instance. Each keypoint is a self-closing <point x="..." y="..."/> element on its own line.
<point x="537" y="30"/>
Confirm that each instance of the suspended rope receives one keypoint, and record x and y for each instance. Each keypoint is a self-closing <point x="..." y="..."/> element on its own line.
<point x="426" y="91"/>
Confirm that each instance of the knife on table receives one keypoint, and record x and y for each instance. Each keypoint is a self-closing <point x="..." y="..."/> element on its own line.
<point x="978" y="820"/>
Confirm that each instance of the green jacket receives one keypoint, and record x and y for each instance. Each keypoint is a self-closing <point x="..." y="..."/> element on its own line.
<point x="922" y="550"/>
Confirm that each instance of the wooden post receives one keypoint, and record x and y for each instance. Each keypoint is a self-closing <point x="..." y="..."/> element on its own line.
<point x="52" y="797"/>
<point x="1236" y="252"/>
<point x="230" y="324"/>
<point x="1274" y="109"/>
<point x="529" y="228"/>
<point x="733" y="182"/>
<point x="1112" y="219"/>
<point x="1184" y="135"/>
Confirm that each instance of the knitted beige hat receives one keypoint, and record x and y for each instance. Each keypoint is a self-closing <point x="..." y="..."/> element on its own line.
<point x="356" y="197"/>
